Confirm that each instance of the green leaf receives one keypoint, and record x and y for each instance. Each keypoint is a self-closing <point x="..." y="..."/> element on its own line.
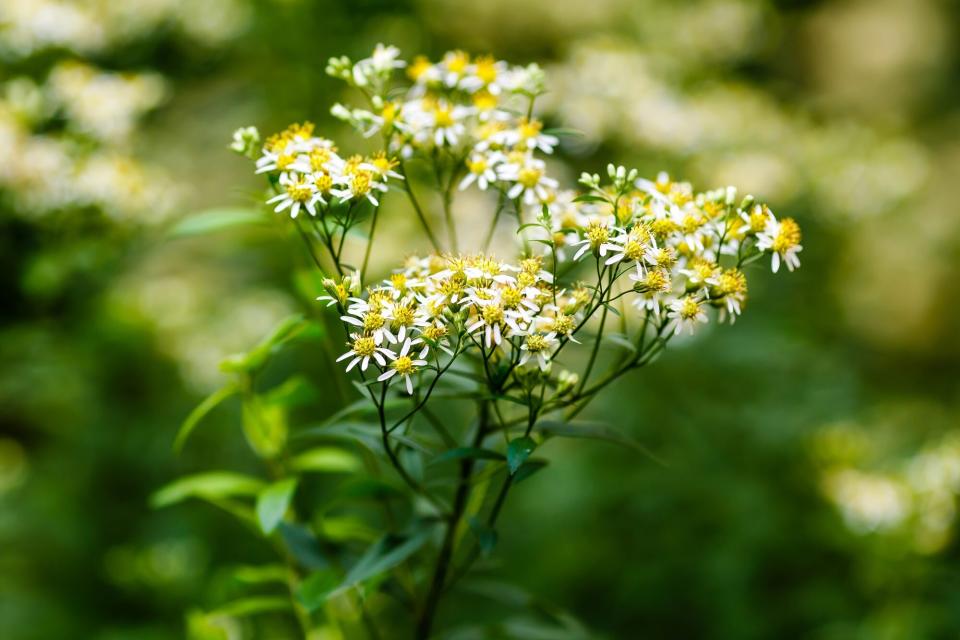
<point x="518" y="451"/>
<point x="385" y="554"/>
<point x="587" y="197"/>
<point x="313" y="591"/>
<point x="486" y="536"/>
<point x="343" y="528"/>
<point x="289" y="328"/>
<point x="262" y="574"/>
<point x="252" y="606"/>
<point x="621" y="341"/>
<point x="273" y="502"/>
<point x="326" y="460"/>
<point x="527" y="469"/>
<point x="199" y="413"/>
<point x="595" y="431"/>
<point x="264" y="426"/>
<point x="216" y="220"/>
<point x="293" y="392"/>
<point x="212" y="485"/>
<point x="303" y="546"/>
<point x="475" y="453"/>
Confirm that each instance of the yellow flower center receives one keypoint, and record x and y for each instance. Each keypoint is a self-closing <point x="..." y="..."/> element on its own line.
<point x="404" y="365"/>
<point x="493" y="314"/>
<point x="486" y="69"/>
<point x="529" y="177"/>
<point x="364" y="347"/>
<point x="536" y="343"/>
<point x="789" y="236"/>
<point x="299" y="191"/>
<point x="372" y="322"/>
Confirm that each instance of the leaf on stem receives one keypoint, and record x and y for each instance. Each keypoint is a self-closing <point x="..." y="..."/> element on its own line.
<point x="528" y="468"/>
<point x="212" y="485"/>
<point x="199" y="413"/>
<point x="486" y="536"/>
<point x="326" y="460"/>
<point x="252" y="606"/>
<point x="474" y="453"/>
<point x="303" y="546"/>
<point x="518" y="451"/>
<point x="594" y="431"/>
<point x="218" y="219"/>
<point x="273" y="502"/>
<point x="313" y="591"/>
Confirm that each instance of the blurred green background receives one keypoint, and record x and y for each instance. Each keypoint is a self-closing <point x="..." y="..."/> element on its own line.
<point x="812" y="449"/>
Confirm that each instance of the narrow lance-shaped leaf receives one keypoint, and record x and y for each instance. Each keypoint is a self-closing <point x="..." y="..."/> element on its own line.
<point x="594" y="431"/>
<point x="518" y="451"/>
<point x="212" y="485"/>
<point x="273" y="502"/>
<point x="200" y="412"/>
<point x="460" y="453"/>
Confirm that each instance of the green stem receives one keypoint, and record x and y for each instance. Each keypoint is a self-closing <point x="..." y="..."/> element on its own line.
<point x="418" y="209"/>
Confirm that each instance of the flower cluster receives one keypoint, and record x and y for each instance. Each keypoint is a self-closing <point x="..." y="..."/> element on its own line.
<point x="451" y="304"/>
<point x="309" y="172"/>
<point x="463" y="107"/>
<point x="684" y="249"/>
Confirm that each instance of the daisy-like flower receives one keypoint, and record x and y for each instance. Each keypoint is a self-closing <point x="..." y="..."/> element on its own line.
<point x="527" y="136"/>
<point x="384" y="166"/>
<point x="380" y="64"/>
<point x="685" y="313"/>
<point x="633" y="245"/>
<point x="372" y="322"/>
<point x="653" y="286"/>
<point x="362" y="350"/>
<point x="481" y="168"/>
<point x="444" y="123"/>
<point x="529" y="177"/>
<point x="782" y="240"/>
<point x="360" y="184"/>
<point x="298" y="192"/>
<point x="731" y="291"/>
<point x="538" y="345"/>
<point x="701" y="273"/>
<point x="595" y="236"/>
<point x="405" y="365"/>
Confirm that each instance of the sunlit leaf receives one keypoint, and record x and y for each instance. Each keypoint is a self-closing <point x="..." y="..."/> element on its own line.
<point x="252" y="606"/>
<point x="200" y="412"/>
<point x="262" y="574"/>
<point x="273" y="502"/>
<point x="219" y="219"/>
<point x="209" y="486"/>
<point x="326" y="460"/>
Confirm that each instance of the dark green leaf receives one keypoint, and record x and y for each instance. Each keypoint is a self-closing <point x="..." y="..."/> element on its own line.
<point x="313" y="591"/>
<point x="384" y="555"/>
<point x="594" y="431"/>
<point x="208" y="486"/>
<point x="486" y="537"/>
<point x="527" y="469"/>
<point x="273" y="502"/>
<point x="475" y="453"/>
<point x="518" y="451"/>
<point x="200" y="412"/>
<point x="303" y="546"/>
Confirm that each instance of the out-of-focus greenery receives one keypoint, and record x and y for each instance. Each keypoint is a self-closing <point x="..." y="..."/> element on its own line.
<point x="812" y="462"/>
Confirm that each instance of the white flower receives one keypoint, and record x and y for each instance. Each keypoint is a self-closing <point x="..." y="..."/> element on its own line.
<point x="782" y="239"/>
<point x="404" y="365"/>
<point x="481" y="168"/>
<point x="298" y="191"/>
<point x="362" y="349"/>
<point x="538" y="345"/>
<point x="685" y="313"/>
<point x="530" y="180"/>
